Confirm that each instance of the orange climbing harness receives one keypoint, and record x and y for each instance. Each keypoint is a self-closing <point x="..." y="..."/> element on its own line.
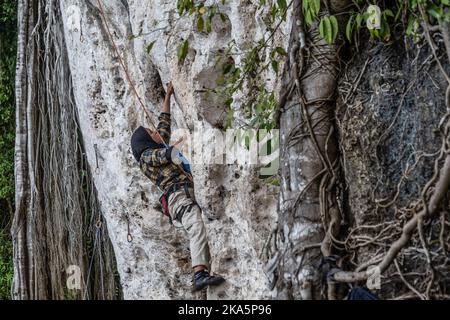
<point x="125" y="69"/>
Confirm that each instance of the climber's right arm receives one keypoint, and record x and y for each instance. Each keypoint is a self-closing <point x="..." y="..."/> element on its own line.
<point x="164" y="126"/>
<point x="164" y="117"/>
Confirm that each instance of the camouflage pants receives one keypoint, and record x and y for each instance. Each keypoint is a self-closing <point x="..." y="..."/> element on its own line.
<point x="192" y="223"/>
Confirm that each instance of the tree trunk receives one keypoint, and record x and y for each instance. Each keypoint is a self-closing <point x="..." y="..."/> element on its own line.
<point x="20" y="281"/>
<point x="309" y="212"/>
<point x="57" y="223"/>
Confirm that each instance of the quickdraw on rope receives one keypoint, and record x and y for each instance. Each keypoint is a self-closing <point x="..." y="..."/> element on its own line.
<point x="136" y="93"/>
<point x="129" y="236"/>
<point x="98" y="224"/>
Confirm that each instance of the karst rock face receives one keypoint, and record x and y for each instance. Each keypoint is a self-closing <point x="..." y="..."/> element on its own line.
<point x="240" y="210"/>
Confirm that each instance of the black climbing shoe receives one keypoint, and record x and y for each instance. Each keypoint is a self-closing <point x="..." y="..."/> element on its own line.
<point x="202" y="279"/>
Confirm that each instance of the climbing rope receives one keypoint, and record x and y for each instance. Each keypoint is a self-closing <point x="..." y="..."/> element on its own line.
<point x="102" y="285"/>
<point x="98" y="226"/>
<point x="136" y="93"/>
<point x="122" y="63"/>
<point x="97" y="235"/>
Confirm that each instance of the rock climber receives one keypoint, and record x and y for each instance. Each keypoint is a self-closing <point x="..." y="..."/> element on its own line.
<point x="166" y="167"/>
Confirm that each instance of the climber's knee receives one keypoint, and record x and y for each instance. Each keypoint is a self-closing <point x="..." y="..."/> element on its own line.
<point x="191" y="215"/>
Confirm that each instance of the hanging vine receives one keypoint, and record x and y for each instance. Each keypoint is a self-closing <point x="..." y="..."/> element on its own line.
<point x="57" y="222"/>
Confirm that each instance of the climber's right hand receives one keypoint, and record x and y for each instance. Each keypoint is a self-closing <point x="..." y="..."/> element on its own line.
<point x="170" y="89"/>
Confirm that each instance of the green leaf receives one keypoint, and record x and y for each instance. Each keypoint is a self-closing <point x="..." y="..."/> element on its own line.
<point x="220" y="80"/>
<point x="273" y="180"/>
<point x="282" y="4"/>
<point x="227" y="68"/>
<point x="349" y="29"/>
<point x="274" y="64"/>
<point x="447" y="16"/>
<point x="322" y="30"/>
<point x="259" y="109"/>
<point x="305" y="5"/>
<point x="410" y="27"/>
<point x="223" y="17"/>
<point x="375" y="33"/>
<point x="358" y="20"/>
<point x="273" y="12"/>
<point x="388" y="13"/>
<point x="435" y="11"/>
<point x="209" y="24"/>
<point x="237" y="73"/>
<point x="315" y="6"/>
<point x="150" y="46"/>
<point x="190" y="6"/>
<point x="280" y="51"/>
<point x="180" y="6"/>
<point x="200" y="23"/>
<point x="183" y="51"/>
<point x="445" y="2"/>
<point x="335" y="28"/>
<point x="308" y="18"/>
<point x="385" y="29"/>
<point x="326" y="29"/>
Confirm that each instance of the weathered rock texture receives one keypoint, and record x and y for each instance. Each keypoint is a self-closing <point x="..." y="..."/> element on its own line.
<point x="387" y="112"/>
<point x="241" y="208"/>
<point x="390" y="131"/>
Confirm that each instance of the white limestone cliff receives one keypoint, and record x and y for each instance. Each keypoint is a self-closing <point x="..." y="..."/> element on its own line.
<point x="241" y="207"/>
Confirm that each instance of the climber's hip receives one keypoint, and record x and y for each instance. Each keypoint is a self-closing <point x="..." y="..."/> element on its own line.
<point x="180" y="202"/>
<point x="164" y="199"/>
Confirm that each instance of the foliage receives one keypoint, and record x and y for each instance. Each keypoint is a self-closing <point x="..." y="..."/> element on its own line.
<point x="377" y="18"/>
<point x="328" y="28"/>
<point x="394" y="13"/>
<point x="183" y="51"/>
<point x="204" y="16"/>
<point x="261" y="106"/>
<point x="311" y="9"/>
<point x="6" y="267"/>
<point x="7" y="127"/>
<point x="7" y="69"/>
<point x="264" y="111"/>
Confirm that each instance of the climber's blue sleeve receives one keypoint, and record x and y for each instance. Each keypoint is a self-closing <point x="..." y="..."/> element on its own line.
<point x="185" y="163"/>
